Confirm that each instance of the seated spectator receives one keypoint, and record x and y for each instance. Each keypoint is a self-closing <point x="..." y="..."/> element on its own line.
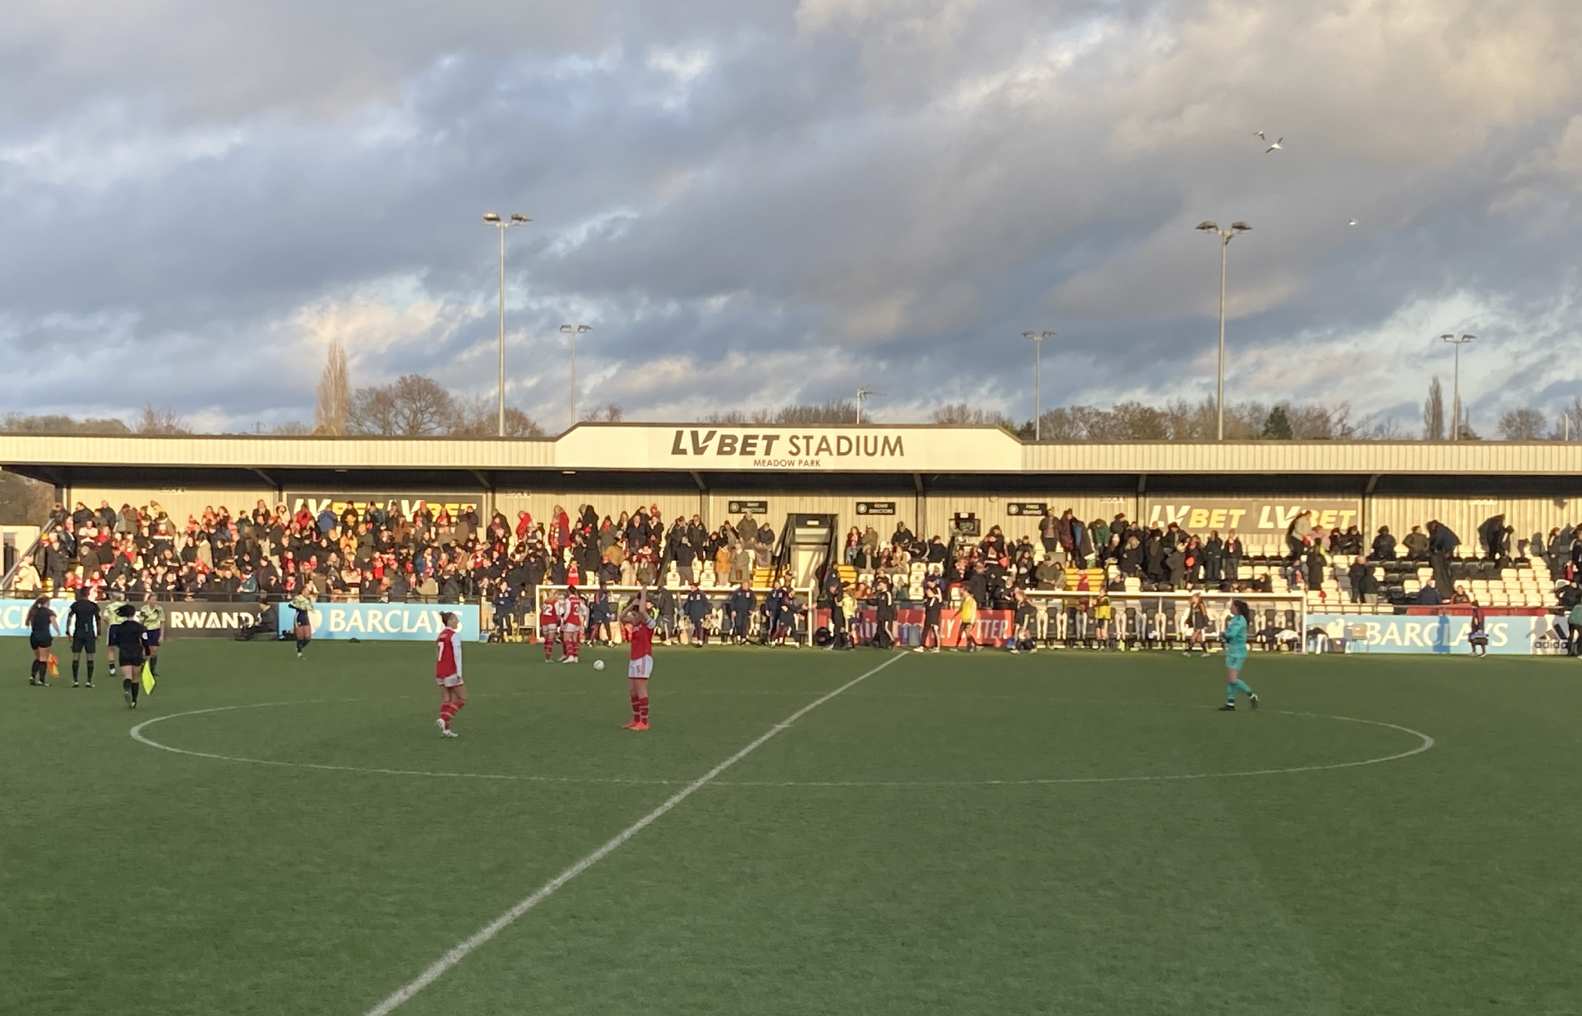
<point x="1050" y="573"/>
<point x="1428" y="596"/>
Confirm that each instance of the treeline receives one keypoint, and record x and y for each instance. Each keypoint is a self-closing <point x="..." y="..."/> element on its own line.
<point x="416" y="405"/>
<point x="1177" y="420"/>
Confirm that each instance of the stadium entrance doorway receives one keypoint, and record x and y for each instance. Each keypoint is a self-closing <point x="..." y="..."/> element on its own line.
<point x="806" y="543"/>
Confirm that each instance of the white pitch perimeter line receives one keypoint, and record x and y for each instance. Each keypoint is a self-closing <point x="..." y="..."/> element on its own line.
<point x="438" y="968"/>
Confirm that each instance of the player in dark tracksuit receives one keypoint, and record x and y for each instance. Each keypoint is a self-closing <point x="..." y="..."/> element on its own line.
<point x="740" y="611"/>
<point x="932" y="604"/>
<point x="697" y="609"/>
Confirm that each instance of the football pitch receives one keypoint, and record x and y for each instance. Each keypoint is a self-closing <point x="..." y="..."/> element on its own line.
<point x="1070" y="832"/>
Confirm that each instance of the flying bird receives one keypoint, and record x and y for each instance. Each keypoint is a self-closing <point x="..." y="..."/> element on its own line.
<point x="1351" y="222"/>
<point x="1259" y="135"/>
<point x="1274" y="147"/>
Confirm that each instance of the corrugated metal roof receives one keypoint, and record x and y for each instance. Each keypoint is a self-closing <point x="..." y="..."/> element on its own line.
<point x="278" y="452"/>
<point x="1471" y="458"/>
<point x="1466" y="458"/>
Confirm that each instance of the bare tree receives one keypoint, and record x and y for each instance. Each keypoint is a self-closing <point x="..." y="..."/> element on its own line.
<point x="373" y="412"/>
<point x="1523" y="425"/>
<point x="24" y="502"/>
<point x="413" y="406"/>
<point x="160" y="420"/>
<point x="836" y="412"/>
<point x="21" y="423"/>
<point x="1434" y="412"/>
<point x="292" y="428"/>
<point x="479" y="418"/>
<point x="608" y="413"/>
<point x="332" y="412"/>
<point x="960" y="414"/>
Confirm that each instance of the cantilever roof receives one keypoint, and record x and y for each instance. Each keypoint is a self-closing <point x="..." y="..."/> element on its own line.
<point x="939" y="453"/>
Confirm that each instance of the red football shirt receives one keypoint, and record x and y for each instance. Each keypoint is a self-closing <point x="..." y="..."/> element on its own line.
<point x="448" y="647"/>
<point x="643" y="639"/>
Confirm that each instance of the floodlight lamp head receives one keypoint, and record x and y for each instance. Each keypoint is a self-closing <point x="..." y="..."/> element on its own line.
<point x="1240" y="227"/>
<point x="1208" y="226"/>
<point x="491" y="217"/>
<point x="518" y="217"/>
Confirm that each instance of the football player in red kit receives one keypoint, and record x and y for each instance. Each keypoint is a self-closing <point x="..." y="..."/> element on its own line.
<point x="549" y="625"/>
<point x="573" y="614"/>
<point x="447" y="673"/>
<point x="642" y="665"/>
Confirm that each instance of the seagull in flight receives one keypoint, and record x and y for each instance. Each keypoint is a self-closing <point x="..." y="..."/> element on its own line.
<point x="1274" y="147"/>
<point x="1351" y="222"/>
<point x="1259" y="135"/>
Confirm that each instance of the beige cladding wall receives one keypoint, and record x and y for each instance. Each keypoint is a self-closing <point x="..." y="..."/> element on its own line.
<point x="605" y="502"/>
<point x="1464" y="515"/>
<point x="843" y="506"/>
<point x="177" y="502"/>
<point x="993" y="509"/>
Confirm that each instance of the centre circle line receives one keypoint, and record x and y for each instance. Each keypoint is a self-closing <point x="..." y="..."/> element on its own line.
<point x="1426" y="742"/>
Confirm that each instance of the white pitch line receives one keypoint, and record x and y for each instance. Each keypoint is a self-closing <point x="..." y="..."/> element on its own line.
<point x="437" y="969"/>
<point x="1427" y="742"/>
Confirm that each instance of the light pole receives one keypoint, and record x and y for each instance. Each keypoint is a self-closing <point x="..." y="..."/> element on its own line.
<point x="1455" y="385"/>
<point x="1225" y="237"/>
<point x="574" y="331"/>
<point x="501" y="225"/>
<point x="864" y="393"/>
<point x="1038" y="385"/>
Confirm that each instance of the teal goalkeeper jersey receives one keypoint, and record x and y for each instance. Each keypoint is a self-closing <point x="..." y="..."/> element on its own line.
<point x="1236" y="633"/>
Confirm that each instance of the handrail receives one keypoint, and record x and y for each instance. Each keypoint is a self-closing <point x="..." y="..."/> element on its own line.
<point x="44" y="532"/>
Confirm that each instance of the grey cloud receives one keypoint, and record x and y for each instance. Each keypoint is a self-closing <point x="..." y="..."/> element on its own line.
<point x="844" y="190"/>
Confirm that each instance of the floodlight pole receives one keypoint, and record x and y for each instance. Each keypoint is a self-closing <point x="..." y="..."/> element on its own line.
<point x="1455" y="385"/>
<point x="573" y="331"/>
<point x="1038" y="385"/>
<point x="501" y="225"/>
<point x="1225" y="237"/>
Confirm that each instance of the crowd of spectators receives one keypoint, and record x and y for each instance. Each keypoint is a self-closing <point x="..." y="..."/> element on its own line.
<point x="377" y="554"/>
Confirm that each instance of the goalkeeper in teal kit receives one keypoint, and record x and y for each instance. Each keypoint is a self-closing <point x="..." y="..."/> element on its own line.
<point x="1235" y="638"/>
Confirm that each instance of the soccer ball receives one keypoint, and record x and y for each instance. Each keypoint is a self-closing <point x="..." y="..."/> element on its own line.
<point x="598" y="664"/>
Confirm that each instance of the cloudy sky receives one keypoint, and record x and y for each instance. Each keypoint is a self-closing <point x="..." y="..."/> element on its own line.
<point x="754" y="202"/>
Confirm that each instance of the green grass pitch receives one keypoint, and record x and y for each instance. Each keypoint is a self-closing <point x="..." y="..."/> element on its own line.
<point x="950" y="835"/>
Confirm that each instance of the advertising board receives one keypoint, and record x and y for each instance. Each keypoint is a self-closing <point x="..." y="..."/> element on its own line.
<point x="1441" y="634"/>
<point x="1264" y="516"/>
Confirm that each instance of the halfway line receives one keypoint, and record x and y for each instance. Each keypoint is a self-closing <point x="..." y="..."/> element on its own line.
<point x="437" y="969"/>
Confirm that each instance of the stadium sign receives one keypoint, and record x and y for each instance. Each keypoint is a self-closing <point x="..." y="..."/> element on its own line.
<point x="747" y="507"/>
<point x="1026" y="507"/>
<point x="777" y="448"/>
<point x="210" y="620"/>
<point x="316" y="501"/>
<point x="182" y="619"/>
<point x="369" y="622"/>
<point x="875" y="507"/>
<point x="1439" y="634"/>
<point x="1250" y="515"/>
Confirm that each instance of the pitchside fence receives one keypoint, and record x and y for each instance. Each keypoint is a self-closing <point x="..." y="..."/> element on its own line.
<point x="715" y="623"/>
<point x="1072" y="618"/>
<point x="1163" y="619"/>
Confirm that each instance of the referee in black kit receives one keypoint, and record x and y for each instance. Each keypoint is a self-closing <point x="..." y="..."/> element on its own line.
<point x="82" y="626"/>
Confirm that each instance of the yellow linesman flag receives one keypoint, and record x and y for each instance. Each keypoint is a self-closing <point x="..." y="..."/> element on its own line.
<point x="54" y="666"/>
<point x="148" y="679"/>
